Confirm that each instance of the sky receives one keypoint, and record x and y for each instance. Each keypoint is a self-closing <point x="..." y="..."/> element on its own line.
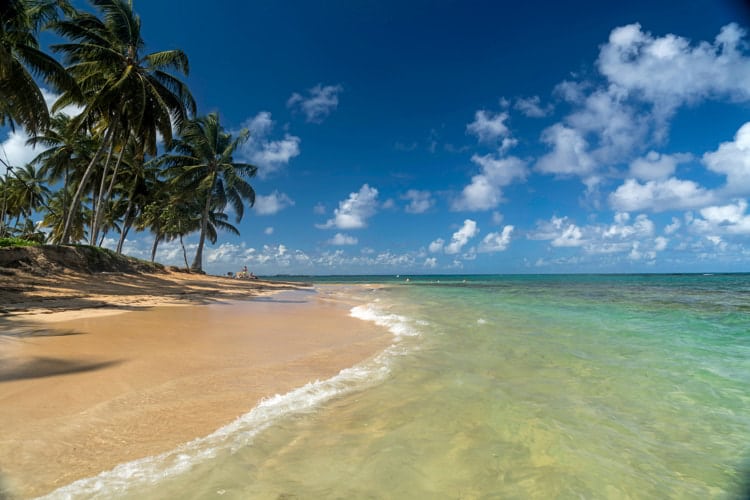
<point x="442" y="136"/>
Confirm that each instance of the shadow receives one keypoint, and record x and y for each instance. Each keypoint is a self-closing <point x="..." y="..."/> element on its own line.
<point x="49" y="367"/>
<point x="278" y="301"/>
<point x="28" y="332"/>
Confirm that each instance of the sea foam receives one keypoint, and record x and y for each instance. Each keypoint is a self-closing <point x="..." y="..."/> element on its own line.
<point x="149" y="471"/>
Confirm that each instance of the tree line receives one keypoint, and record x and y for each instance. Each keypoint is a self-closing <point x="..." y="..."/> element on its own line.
<point x="137" y="157"/>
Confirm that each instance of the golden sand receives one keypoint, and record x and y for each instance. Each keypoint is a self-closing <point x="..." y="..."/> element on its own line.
<point x="81" y="392"/>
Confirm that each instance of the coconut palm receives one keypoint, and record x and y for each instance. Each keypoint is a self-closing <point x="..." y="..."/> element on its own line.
<point x="123" y="90"/>
<point x="204" y="165"/>
<point x="55" y="218"/>
<point x="21" y="99"/>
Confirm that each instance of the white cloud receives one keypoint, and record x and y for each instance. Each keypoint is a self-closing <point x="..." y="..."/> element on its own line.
<point x="733" y="160"/>
<point x="632" y="238"/>
<point x="615" y="126"/>
<point x="15" y="151"/>
<point x="668" y="71"/>
<point x="485" y="190"/>
<point x="488" y="127"/>
<point x="560" y="231"/>
<point x="673" y="227"/>
<point x="497" y="242"/>
<point x="353" y="212"/>
<point x="655" y="166"/>
<point x="658" y="196"/>
<point x="461" y="237"/>
<point x="569" y="154"/>
<point x="341" y="239"/>
<point x="730" y="219"/>
<point x="419" y="201"/>
<point x="319" y="209"/>
<point x="321" y="102"/>
<point x="642" y="227"/>
<point x="532" y="108"/>
<point x="437" y="245"/>
<point x="430" y="263"/>
<point x="609" y="124"/>
<point x="268" y="231"/>
<point x="271" y="204"/>
<point x="268" y="155"/>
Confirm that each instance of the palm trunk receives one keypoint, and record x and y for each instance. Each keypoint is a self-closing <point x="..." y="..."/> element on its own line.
<point x="125" y="225"/>
<point x="157" y="239"/>
<point x="96" y="219"/>
<point x="65" y="239"/>
<point x="198" y="261"/>
<point x="184" y="253"/>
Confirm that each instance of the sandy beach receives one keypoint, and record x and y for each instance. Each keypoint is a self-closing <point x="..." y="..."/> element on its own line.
<point x="99" y="370"/>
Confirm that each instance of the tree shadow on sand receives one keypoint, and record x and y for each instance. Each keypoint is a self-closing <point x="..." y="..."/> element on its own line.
<point x="48" y="367"/>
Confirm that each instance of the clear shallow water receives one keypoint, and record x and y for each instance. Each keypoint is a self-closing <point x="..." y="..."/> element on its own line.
<point x="499" y="387"/>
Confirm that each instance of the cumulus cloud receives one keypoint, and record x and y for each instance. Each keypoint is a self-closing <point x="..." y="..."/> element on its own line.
<point x="633" y="238"/>
<point x="560" y="231"/>
<point x="730" y="219"/>
<point x="655" y="166"/>
<point x="437" y="245"/>
<point x="646" y="79"/>
<point x="320" y="102"/>
<point x="341" y="239"/>
<point x="497" y="242"/>
<point x="659" y="196"/>
<point x="272" y="203"/>
<point x="733" y="160"/>
<point x="353" y="212"/>
<point x="531" y="107"/>
<point x="569" y="154"/>
<point x="430" y="263"/>
<point x="489" y="127"/>
<point x="269" y="155"/>
<point x="419" y="201"/>
<point x="485" y="190"/>
<point x="461" y="237"/>
<point x="669" y="71"/>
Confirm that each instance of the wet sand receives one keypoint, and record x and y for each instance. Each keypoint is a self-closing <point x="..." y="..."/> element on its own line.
<point x="79" y="396"/>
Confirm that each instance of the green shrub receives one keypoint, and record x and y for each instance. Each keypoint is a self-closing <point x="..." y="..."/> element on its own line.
<point x="17" y="242"/>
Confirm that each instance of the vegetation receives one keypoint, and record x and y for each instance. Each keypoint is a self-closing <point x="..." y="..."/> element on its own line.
<point x="17" y="242"/>
<point x="102" y="170"/>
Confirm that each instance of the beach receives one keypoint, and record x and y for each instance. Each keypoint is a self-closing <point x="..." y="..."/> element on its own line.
<point x="523" y="386"/>
<point x="100" y="370"/>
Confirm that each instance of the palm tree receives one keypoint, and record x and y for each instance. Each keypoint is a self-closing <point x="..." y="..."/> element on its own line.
<point x="55" y="218"/>
<point x="123" y="91"/>
<point x="29" y="192"/>
<point x="21" y="99"/>
<point x="204" y="165"/>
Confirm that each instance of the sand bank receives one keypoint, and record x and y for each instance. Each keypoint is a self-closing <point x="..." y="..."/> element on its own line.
<point x="78" y="396"/>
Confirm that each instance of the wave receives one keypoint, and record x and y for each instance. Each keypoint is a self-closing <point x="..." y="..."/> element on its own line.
<point x="150" y="471"/>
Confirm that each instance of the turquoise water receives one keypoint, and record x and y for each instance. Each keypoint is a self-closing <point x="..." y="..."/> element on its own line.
<point x="498" y="387"/>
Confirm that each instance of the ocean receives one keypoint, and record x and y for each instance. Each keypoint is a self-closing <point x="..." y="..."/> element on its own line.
<point x="578" y="386"/>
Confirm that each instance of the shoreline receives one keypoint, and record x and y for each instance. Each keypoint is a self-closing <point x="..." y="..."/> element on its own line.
<point x="82" y="391"/>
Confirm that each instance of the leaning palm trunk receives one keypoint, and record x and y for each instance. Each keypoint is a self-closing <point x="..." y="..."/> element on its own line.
<point x="98" y="195"/>
<point x="126" y="223"/>
<point x="157" y="239"/>
<point x="65" y="239"/>
<point x="104" y="198"/>
<point x="198" y="261"/>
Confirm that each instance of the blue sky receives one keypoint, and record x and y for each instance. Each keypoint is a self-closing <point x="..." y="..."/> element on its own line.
<point x="474" y="136"/>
